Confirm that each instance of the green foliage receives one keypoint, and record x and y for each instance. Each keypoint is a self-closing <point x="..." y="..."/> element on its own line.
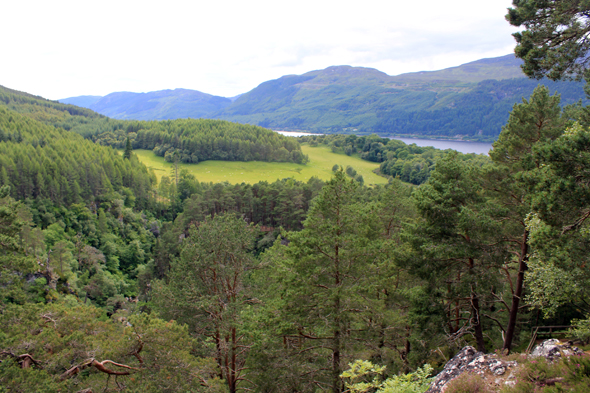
<point x="13" y="378"/>
<point x="44" y="162"/>
<point x="581" y="329"/>
<point x="207" y="290"/>
<point x="15" y="264"/>
<point x="571" y="374"/>
<point x="345" y="100"/>
<point x="192" y="141"/>
<point x="363" y="377"/>
<point x="554" y="42"/>
<point x="333" y="283"/>
<point x="558" y="189"/>
<point x="128" y="149"/>
<point x="410" y="163"/>
<point x="62" y="335"/>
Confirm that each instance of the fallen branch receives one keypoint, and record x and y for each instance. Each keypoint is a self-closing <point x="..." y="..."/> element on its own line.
<point x="100" y="366"/>
<point x="137" y="350"/>
<point x="25" y="360"/>
<point x="551" y="381"/>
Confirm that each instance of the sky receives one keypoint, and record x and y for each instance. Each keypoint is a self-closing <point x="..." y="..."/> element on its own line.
<point x="59" y="49"/>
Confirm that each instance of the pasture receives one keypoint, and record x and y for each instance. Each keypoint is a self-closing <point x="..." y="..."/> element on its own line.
<point x="321" y="161"/>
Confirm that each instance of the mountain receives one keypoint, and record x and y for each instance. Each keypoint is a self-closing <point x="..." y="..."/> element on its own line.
<point x="156" y="105"/>
<point x="470" y="101"/>
<point x="498" y="68"/>
<point x="83" y="101"/>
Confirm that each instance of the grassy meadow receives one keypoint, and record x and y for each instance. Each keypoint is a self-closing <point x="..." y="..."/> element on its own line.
<point x="321" y="161"/>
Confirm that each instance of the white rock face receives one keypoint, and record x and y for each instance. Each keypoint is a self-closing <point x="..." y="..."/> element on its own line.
<point x="553" y="349"/>
<point x="469" y="360"/>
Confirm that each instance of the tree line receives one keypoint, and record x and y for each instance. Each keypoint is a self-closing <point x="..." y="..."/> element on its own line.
<point x="185" y="140"/>
<point x="190" y="294"/>
<point x="399" y="275"/>
<point x="39" y="161"/>
<point x="410" y="163"/>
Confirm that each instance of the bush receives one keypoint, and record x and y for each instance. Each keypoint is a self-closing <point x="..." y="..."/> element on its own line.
<point x="468" y="383"/>
<point x="363" y="376"/>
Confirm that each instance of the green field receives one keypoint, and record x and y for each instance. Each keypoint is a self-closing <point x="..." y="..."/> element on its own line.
<point x="321" y="161"/>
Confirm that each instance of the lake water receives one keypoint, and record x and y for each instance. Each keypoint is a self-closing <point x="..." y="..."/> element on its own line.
<point x="460" y="146"/>
<point x="293" y="133"/>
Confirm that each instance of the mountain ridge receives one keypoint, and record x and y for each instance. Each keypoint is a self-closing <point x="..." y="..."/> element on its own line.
<point x="469" y="101"/>
<point x="155" y="105"/>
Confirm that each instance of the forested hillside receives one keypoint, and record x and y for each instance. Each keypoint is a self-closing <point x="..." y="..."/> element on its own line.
<point x="200" y="140"/>
<point x="38" y="161"/>
<point x="110" y="282"/>
<point x="470" y="101"/>
<point x="354" y="101"/>
<point x="188" y="140"/>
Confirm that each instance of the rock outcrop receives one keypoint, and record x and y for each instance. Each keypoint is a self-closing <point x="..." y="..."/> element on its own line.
<point x="494" y="369"/>
<point x="554" y="349"/>
<point x="469" y="360"/>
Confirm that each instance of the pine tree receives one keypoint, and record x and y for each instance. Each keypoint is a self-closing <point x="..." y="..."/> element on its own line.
<point x="324" y="272"/>
<point x="128" y="149"/>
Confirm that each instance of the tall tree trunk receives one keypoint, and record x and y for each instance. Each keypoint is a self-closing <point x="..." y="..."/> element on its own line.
<point x="475" y="313"/>
<point x="477" y="325"/>
<point x="522" y="267"/>
<point x="336" y="362"/>
<point x="231" y="372"/>
<point x="336" y="383"/>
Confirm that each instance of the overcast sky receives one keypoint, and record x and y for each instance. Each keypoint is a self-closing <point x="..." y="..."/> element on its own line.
<point x="59" y="49"/>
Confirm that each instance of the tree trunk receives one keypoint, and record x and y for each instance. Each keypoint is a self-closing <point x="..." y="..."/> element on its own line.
<point x="522" y="267"/>
<point x="336" y="363"/>
<point x="477" y="325"/>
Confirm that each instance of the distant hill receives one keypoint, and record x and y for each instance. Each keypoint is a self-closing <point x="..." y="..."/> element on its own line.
<point x="83" y="101"/>
<point x="471" y="101"/>
<point x="156" y="105"/>
<point x="498" y="68"/>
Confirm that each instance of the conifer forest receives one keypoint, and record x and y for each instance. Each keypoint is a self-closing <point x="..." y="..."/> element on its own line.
<point x="112" y="281"/>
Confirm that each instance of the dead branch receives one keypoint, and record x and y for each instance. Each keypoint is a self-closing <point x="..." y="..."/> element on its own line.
<point x="48" y="318"/>
<point x="552" y="381"/>
<point x="100" y="366"/>
<point x="137" y="350"/>
<point x="576" y="224"/>
<point x="25" y="360"/>
<point x="495" y="320"/>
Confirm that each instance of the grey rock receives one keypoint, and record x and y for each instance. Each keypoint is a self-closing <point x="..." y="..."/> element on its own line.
<point x="554" y="349"/>
<point x="453" y="368"/>
<point x="469" y="360"/>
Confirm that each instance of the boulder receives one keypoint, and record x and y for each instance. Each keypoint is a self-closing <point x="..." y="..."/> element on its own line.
<point x="494" y="369"/>
<point x="554" y="349"/>
<point x="469" y="360"/>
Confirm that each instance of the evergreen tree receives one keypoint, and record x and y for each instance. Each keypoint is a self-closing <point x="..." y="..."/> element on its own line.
<point x="325" y="272"/>
<point x="207" y="290"/>
<point x="555" y="43"/>
<point x="128" y="149"/>
<point x="536" y="121"/>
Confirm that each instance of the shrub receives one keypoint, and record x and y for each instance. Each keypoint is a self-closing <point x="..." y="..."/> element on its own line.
<point x="468" y="383"/>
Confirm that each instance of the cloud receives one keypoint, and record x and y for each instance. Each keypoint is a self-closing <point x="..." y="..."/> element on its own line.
<point x="67" y="48"/>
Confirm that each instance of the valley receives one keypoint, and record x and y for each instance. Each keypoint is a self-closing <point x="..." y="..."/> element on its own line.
<point x="321" y="161"/>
